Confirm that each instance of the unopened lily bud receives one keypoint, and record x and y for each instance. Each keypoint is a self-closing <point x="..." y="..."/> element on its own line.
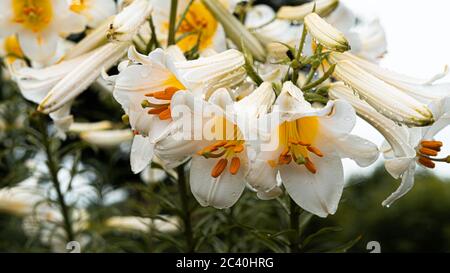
<point x="325" y="34"/>
<point x="385" y="98"/>
<point x="298" y="13"/>
<point x="127" y="23"/>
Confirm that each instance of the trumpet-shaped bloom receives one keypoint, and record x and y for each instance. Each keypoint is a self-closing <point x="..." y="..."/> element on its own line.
<point x="386" y="98"/>
<point x="424" y="90"/>
<point x="55" y="87"/>
<point x="310" y="144"/>
<point x="38" y="24"/>
<point x="222" y="146"/>
<point x="198" y="25"/>
<point x="146" y="86"/>
<point x="95" y="11"/>
<point x="404" y="148"/>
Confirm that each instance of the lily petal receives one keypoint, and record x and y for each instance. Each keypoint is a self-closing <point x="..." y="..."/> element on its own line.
<point x="222" y="192"/>
<point x="142" y="151"/>
<point x="317" y="193"/>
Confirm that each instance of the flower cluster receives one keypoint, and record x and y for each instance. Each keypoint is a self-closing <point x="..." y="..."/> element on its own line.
<point x="244" y="96"/>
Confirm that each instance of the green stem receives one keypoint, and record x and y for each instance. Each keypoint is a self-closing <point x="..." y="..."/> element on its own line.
<point x="172" y="21"/>
<point x="53" y="170"/>
<point x="183" y="192"/>
<point x="294" y="225"/>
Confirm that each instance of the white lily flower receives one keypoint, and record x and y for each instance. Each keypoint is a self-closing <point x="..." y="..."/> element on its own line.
<point x="310" y="146"/>
<point x="38" y="25"/>
<point x="423" y="90"/>
<point x="19" y="200"/>
<point x="198" y="23"/>
<point x="55" y="87"/>
<point x="223" y="152"/>
<point x="146" y="86"/>
<point x="386" y="98"/>
<point x="127" y="23"/>
<point x="107" y="138"/>
<point x="79" y="127"/>
<point x="82" y="75"/>
<point x="95" y="11"/>
<point x="140" y="224"/>
<point x="405" y="148"/>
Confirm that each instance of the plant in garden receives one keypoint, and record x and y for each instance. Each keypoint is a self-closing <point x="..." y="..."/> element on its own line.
<point x="223" y="107"/>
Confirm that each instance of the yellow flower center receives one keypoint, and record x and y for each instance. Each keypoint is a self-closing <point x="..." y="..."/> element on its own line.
<point x="229" y="145"/>
<point x="296" y="138"/>
<point x="34" y="15"/>
<point x="163" y="109"/>
<point x="12" y="48"/>
<point x="78" y="6"/>
<point x="198" y="23"/>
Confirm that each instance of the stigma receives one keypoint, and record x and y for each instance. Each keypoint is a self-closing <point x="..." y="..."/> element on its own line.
<point x="296" y="138"/>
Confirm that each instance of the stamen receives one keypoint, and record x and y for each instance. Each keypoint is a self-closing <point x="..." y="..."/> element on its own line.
<point x="222" y="143"/>
<point x="432" y="144"/>
<point x="427" y="151"/>
<point x="310" y="166"/>
<point x="156" y="111"/>
<point x="219" y="168"/>
<point x="166" y="114"/>
<point x="285" y="160"/>
<point x="315" y="151"/>
<point x="427" y="162"/>
<point x="167" y="94"/>
<point x="285" y="152"/>
<point x="239" y="148"/>
<point x="235" y="165"/>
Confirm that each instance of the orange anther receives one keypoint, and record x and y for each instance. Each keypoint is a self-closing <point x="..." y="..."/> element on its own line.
<point x="310" y="166"/>
<point x="427" y="151"/>
<point x="156" y="111"/>
<point x="239" y="148"/>
<point x="315" y="151"/>
<point x="435" y="145"/>
<point x="235" y="165"/>
<point x="167" y="94"/>
<point x="220" y="144"/>
<point x="284" y="159"/>
<point x="302" y="143"/>
<point x="166" y="114"/>
<point x="425" y="161"/>
<point x="219" y="168"/>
